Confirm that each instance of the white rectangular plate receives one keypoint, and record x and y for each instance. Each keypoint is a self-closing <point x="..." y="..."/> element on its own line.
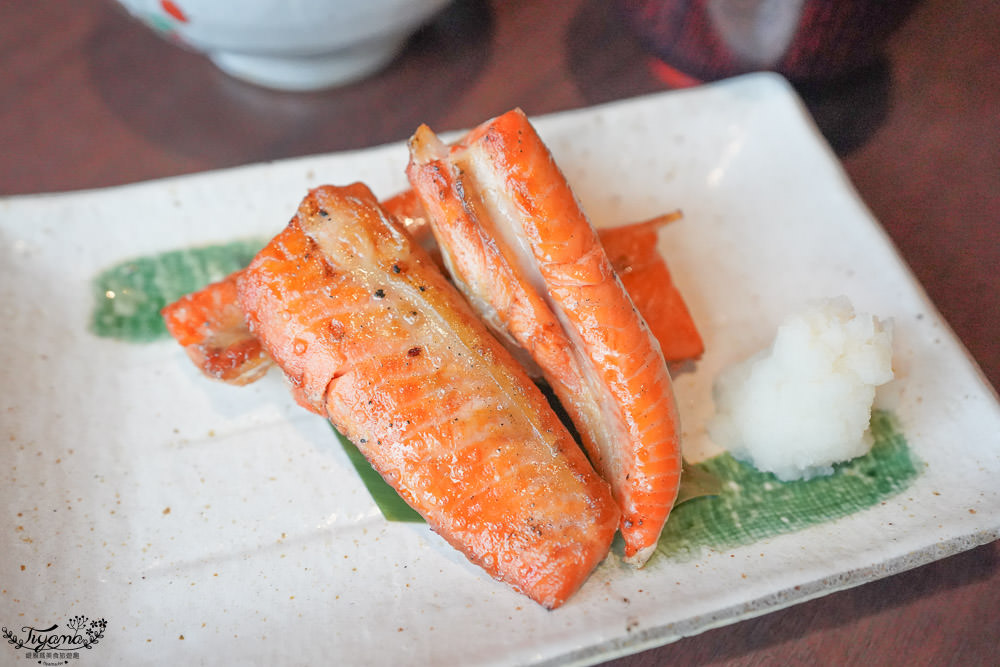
<point x="208" y="523"/>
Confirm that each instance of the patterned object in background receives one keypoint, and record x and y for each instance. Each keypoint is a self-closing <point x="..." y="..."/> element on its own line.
<point x="803" y="40"/>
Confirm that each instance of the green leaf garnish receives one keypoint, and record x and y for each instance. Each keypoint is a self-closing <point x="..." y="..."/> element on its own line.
<point x="697" y="482"/>
<point x="392" y="506"/>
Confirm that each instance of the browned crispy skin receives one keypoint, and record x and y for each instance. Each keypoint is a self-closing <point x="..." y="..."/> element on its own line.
<point x="210" y="325"/>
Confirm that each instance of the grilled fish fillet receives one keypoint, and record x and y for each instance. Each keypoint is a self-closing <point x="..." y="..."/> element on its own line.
<point x="520" y="248"/>
<point x="372" y="336"/>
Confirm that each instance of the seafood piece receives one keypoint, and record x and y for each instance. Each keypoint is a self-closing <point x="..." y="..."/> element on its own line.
<point x="645" y="276"/>
<point x="213" y="337"/>
<point x="211" y="327"/>
<point x="632" y="249"/>
<point x="209" y="324"/>
<point x="405" y="206"/>
<point x="371" y="335"/>
<point x="517" y="244"/>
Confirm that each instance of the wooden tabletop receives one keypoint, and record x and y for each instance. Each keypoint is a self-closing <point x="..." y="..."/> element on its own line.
<point x="90" y="98"/>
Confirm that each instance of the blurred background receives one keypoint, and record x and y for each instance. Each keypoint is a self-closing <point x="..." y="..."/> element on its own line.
<point x="91" y="97"/>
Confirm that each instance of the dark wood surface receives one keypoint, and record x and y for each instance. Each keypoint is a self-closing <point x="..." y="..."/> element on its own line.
<point x="89" y="98"/>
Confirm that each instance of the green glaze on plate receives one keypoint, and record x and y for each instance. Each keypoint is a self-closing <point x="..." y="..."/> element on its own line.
<point x="753" y="505"/>
<point x="129" y="296"/>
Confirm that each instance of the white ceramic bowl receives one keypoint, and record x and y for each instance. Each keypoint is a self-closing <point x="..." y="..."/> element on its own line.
<point x="290" y="44"/>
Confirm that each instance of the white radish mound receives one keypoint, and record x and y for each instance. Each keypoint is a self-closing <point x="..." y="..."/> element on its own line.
<point x="805" y="403"/>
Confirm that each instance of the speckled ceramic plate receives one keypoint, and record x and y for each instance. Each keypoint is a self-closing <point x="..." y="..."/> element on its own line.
<point x="158" y="517"/>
